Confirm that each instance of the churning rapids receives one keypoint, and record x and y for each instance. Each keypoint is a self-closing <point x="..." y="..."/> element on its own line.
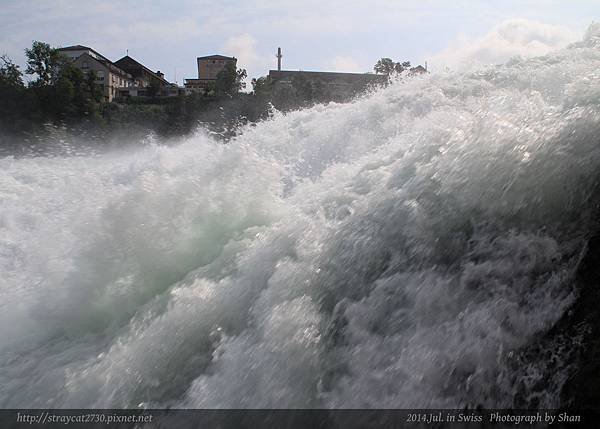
<point x="397" y="251"/>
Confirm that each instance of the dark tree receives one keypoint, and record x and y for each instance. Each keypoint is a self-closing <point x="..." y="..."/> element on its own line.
<point x="400" y="67"/>
<point x="384" y="66"/>
<point x="387" y="66"/>
<point x="94" y="89"/>
<point x="230" y="81"/>
<point x="262" y="87"/>
<point x="44" y="62"/>
<point x="81" y="93"/>
<point x="10" y="75"/>
<point x="63" y="92"/>
<point x="153" y="88"/>
<point x="16" y="104"/>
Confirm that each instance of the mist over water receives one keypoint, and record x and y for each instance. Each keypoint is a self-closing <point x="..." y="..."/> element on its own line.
<point x="396" y="251"/>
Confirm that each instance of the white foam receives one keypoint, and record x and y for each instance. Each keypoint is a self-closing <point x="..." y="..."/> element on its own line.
<point x="391" y="252"/>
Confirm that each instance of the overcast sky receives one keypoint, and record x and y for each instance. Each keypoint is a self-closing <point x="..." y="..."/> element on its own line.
<point x="329" y="35"/>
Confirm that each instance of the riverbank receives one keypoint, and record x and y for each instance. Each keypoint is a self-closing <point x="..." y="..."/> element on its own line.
<point x="165" y="118"/>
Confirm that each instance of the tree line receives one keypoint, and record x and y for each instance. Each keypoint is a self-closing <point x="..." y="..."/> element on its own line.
<point x="59" y="93"/>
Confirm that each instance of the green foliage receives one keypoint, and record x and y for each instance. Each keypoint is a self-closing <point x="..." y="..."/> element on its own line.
<point x="230" y="81"/>
<point x="44" y="62"/>
<point x="15" y="101"/>
<point x="153" y="88"/>
<point x="384" y="66"/>
<point x="262" y="87"/>
<point x="72" y="95"/>
<point x="387" y="66"/>
<point x="10" y="75"/>
<point x="63" y="95"/>
<point x="400" y="67"/>
<point x="95" y="90"/>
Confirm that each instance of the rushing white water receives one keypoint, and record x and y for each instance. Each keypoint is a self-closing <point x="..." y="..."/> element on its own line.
<point x="397" y="251"/>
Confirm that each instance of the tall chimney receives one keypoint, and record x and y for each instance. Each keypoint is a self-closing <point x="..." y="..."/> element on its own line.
<point x="279" y="59"/>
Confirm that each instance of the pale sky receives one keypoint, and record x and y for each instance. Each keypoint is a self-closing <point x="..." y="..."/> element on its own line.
<point x="328" y="35"/>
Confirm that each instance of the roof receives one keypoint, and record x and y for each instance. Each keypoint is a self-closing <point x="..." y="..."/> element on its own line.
<point x="216" y="57"/>
<point x="75" y="48"/>
<point x="84" y="48"/>
<point x="107" y="64"/>
<point x="127" y="59"/>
